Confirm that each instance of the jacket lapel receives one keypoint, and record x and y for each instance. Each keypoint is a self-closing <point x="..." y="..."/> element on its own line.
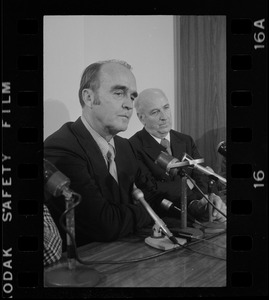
<point x="96" y="160"/>
<point x="125" y="168"/>
<point x="178" y="147"/>
<point x="150" y="145"/>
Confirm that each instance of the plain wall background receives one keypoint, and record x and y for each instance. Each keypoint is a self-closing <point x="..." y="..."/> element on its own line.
<point x="71" y="43"/>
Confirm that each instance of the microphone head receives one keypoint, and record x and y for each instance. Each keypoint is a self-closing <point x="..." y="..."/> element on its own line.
<point x="166" y="204"/>
<point x="137" y="193"/>
<point x="164" y="160"/>
<point x="54" y="180"/>
<point x="221" y="148"/>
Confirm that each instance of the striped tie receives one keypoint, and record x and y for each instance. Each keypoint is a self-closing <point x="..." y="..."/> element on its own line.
<point x="165" y="143"/>
<point x="111" y="162"/>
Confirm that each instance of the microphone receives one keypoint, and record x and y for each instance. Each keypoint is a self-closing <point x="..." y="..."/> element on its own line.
<point x="221" y="148"/>
<point x="202" y="169"/>
<point x="165" y="160"/>
<point x="139" y="196"/>
<point x="168" y="205"/>
<point x="56" y="183"/>
<point x="171" y="164"/>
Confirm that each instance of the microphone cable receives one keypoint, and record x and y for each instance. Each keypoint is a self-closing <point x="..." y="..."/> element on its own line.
<point x="81" y="261"/>
<point x="201" y="192"/>
<point x="210" y="242"/>
<point x="203" y="253"/>
<point x="197" y="240"/>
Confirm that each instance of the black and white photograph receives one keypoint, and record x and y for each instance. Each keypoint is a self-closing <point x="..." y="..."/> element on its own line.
<point x="151" y="90"/>
<point x="134" y="149"/>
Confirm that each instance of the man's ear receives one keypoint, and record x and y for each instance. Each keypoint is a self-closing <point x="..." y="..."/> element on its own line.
<point x="141" y="117"/>
<point x="88" y="97"/>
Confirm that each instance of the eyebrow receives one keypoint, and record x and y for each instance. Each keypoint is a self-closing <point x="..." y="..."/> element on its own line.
<point x="124" y="88"/>
<point x="158" y="109"/>
<point x="153" y="110"/>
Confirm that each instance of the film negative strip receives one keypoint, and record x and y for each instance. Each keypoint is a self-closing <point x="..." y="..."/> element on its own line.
<point x="22" y="151"/>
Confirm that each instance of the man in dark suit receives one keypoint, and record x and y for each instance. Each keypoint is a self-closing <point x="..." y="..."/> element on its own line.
<point x="101" y="166"/>
<point x="153" y="110"/>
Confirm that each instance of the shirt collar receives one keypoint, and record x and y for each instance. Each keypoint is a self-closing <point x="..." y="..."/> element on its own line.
<point x="101" y="142"/>
<point x="159" y="140"/>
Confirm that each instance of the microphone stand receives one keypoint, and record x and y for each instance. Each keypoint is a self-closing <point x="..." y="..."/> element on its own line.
<point x="160" y="241"/>
<point x="72" y="274"/>
<point x="185" y="231"/>
<point x="171" y="165"/>
<point x="161" y="237"/>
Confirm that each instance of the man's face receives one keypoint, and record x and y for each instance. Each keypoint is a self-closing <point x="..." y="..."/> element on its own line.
<point x="156" y="115"/>
<point x="116" y="94"/>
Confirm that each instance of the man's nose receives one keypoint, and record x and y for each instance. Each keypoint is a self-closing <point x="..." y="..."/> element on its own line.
<point x="128" y="102"/>
<point x="163" y="115"/>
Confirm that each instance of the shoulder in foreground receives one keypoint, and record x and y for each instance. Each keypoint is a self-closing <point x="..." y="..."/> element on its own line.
<point x="136" y="137"/>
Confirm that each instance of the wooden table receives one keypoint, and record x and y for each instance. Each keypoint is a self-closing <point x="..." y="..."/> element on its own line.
<point x="179" y="268"/>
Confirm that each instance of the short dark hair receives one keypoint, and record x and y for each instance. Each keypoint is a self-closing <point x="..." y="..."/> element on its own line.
<point x="90" y="76"/>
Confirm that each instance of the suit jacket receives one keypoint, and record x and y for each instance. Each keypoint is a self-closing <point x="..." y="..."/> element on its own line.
<point x="148" y="149"/>
<point x="106" y="211"/>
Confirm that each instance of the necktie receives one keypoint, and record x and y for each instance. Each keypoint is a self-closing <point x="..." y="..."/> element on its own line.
<point x="111" y="162"/>
<point x="166" y="144"/>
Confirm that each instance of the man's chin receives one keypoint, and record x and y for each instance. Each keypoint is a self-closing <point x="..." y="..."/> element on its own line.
<point x="124" y="125"/>
<point x="164" y="131"/>
<point x="120" y="128"/>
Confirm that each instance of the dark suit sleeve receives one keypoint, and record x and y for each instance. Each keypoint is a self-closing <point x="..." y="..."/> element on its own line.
<point x="157" y="187"/>
<point x="100" y="216"/>
<point x="149" y="185"/>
